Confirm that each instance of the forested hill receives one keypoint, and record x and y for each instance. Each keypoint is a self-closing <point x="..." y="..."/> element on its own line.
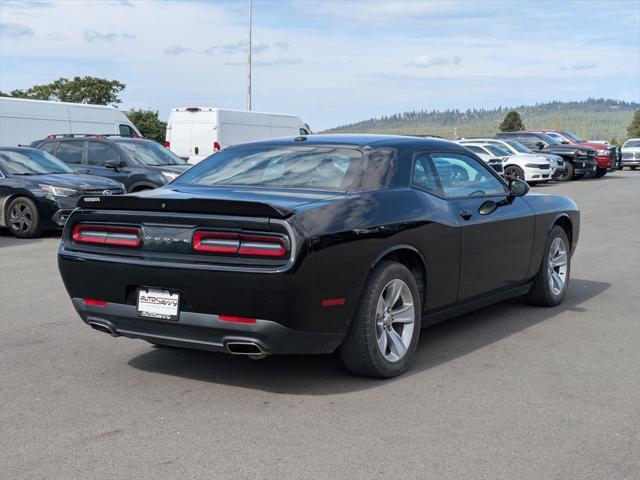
<point x="599" y="119"/>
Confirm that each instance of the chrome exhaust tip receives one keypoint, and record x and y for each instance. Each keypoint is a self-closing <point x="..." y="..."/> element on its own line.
<point x="248" y="349"/>
<point x="104" y="327"/>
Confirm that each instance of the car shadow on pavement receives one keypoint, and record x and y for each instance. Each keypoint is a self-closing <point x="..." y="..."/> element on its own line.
<point x="324" y="374"/>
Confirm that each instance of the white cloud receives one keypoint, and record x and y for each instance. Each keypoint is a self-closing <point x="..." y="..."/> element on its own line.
<point x="580" y="66"/>
<point x="176" y="50"/>
<point x="15" y="30"/>
<point x="92" y="35"/>
<point x="429" y="61"/>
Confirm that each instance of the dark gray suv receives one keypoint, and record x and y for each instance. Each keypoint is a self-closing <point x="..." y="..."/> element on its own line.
<point x="137" y="163"/>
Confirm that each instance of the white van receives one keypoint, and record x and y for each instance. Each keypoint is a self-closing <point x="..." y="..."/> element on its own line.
<point x="22" y="121"/>
<point x="194" y="133"/>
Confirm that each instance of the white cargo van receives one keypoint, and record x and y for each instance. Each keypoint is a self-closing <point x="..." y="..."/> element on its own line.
<point x="194" y="133"/>
<point x="23" y="121"/>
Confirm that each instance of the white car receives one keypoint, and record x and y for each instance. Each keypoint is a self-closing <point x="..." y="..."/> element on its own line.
<point x="516" y="148"/>
<point x="631" y="153"/>
<point x="527" y="167"/>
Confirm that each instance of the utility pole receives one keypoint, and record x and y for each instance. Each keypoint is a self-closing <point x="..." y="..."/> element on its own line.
<point x="249" y="74"/>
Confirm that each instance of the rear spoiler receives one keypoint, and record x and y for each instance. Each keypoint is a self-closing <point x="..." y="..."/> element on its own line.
<point x="186" y="205"/>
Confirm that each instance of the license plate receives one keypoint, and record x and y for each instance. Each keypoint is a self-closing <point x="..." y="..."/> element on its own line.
<point x="161" y="304"/>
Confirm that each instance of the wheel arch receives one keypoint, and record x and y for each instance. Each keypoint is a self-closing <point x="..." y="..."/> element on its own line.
<point x="6" y="201"/>
<point x="564" y="221"/>
<point x="138" y="186"/>
<point x="410" y="257"/>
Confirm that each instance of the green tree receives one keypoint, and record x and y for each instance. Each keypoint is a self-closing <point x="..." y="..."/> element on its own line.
<point x="512" y="122"/>
<point x="149" y="124"/>
<point x="633" y="130"/>
<point x="97" y="91"/>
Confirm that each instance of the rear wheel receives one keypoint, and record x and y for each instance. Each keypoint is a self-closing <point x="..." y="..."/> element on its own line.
<point x="384" y="332"/>
<point x="601" y="172"/>
<point x="633" y="167"/>
<point x="568" y="173"/>
<point x="550" y="284"/>
<point x="513" y="172"/>
<point x="23" y="219"/>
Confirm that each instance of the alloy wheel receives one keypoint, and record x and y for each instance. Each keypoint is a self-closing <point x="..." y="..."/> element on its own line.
<point x="20" y="217"/>
<point x="513" y="173"/>
<point x="395" y="317"/>
<point x="557" y="266"/>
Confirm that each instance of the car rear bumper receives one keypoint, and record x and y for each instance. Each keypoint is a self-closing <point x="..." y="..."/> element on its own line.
<point x="205" y="332"/>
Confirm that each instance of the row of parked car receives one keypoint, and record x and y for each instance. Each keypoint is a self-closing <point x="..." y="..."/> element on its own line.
<point x="541" y="155"/>
<point x="41" y="184"/>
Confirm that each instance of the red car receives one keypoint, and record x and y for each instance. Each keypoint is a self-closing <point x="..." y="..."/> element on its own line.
<point x="605" y="154"/>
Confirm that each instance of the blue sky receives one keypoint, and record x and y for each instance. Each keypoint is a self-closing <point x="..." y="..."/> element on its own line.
<point x="330" y="62"/>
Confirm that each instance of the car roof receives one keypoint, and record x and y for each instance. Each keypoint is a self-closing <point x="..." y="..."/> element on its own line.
<point x="359" y="141"/>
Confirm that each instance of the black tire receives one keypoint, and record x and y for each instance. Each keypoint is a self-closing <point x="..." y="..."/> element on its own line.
<point x="633" y="167"/>
<point x="22" y="218"/>
<point x="601" y="172"/>
<point x="513" y="171"/>
<point x="541" y="292"/>
<point x="360" y="351"/>
<point x="590" y="174"/>
<point x="569" y="172"/>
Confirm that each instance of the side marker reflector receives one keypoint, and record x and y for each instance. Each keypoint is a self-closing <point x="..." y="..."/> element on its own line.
<point x="333" y="302"/>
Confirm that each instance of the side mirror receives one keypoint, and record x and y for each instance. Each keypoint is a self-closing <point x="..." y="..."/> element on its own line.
<point x="540" y="145"/>
<point x="115" y="164"/>
<point x="564" y="142"/>
<point x="518" y="188"/>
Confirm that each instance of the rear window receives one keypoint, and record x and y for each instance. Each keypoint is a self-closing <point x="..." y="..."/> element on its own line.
<point x="322" y="168"/>
<point x="70" y="152"/>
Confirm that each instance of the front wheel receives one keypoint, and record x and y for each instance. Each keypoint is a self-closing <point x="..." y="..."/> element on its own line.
<point x="568" y="172"/>
<point x="601" y="172"/>
<point x="513" y="172"/>
<point x="384" y="332"/>
<point x="23" y="219"/>
<point x="550" y="284"/>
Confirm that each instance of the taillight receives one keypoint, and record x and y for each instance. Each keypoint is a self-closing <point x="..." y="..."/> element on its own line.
<point x="234" y="319"/>
<point x="95" y="303"/>
<point x="167" y="143"/>
<point x="216" y="242"/>
<point x="106" y="235"/>
<point x="242" y="244"/>
<point x="262" y="245"/>
<point x="216" y="147"/>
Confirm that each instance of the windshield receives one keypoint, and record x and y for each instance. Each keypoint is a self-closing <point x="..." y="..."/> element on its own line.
<point x="631" y="144"/>
<point x="150" y="153"/>
<point x="572" y="137"/>
<point x="499" y="151"/>
<point x="280" y="167"/>
<point x="31" y="162"/>
<point x="546" y="138"/>
<point x="517" y="146"/>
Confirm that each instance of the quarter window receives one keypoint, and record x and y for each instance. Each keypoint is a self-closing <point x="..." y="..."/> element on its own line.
<point x="424" y="175"/>
<point x="49" y="147"/>
<point x="70" y="152"/>
<point x="463" y="176"/>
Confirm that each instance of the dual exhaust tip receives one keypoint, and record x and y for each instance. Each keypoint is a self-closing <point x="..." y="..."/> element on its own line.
<point x="248" y="349"/>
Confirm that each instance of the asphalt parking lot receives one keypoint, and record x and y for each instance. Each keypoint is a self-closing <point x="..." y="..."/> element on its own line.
<point x="509" y="392"/>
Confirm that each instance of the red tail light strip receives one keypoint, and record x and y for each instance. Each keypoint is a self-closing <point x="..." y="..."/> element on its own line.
<point x="106" y="235"/>
<point x="231" y="318"/>
<point x="95" y="303"/>
<point x="216" y="242"/>
<point x="241" y="244"/>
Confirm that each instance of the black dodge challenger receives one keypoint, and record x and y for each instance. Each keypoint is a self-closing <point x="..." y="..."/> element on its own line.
<point x="311" y="244"/>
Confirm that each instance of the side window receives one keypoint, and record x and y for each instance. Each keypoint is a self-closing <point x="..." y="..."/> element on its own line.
<point x="126" y="131"/>
<point x="49" y="147"/>
<point x="99" y="153"/>
<point x="70" y="152"/>
<point x="424" y="175"/>
<point x="463" y="176"/>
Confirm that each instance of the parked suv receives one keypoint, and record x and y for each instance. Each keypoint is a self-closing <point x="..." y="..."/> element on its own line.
<point x="137" y="163"/>
<point x="606" y="155"/>
<point x="578" y="160"/>
<point x="631" y="154"/>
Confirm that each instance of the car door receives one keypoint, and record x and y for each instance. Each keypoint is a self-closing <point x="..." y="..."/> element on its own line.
<point x="97" y="155"/>
<point x="496" y="243"/>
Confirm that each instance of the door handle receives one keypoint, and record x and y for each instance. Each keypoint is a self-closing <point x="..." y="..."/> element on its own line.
<point x="466" y="214"/>
<point x="196" y="150"/>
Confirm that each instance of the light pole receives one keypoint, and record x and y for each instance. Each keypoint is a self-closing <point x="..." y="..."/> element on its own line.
<point x="249" y="60"/>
